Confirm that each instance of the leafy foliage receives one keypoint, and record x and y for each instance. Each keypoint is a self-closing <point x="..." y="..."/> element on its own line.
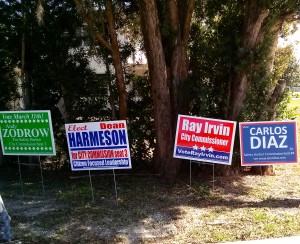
<point x="141" y="133"/>
<point x="214" y="57"/>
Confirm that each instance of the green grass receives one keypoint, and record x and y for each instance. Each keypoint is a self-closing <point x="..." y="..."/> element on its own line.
<point x="255" y="207"/>
<point x="245" y="224"/>
<point x="295" y="104"/>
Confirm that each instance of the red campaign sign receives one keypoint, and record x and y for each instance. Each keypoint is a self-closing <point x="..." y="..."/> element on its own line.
<point x="204" y="139"/>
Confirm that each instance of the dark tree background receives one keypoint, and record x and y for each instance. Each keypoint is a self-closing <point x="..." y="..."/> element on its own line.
<point x="216" y="59"/>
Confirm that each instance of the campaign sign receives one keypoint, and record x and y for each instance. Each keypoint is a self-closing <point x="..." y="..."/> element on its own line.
<point x="268" y="143"/>
<point x="27" y="133"/>
<point x="203" y="139"/>
<point x="98" y="145"/>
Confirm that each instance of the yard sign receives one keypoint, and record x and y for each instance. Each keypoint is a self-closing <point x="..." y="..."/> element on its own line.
<point x="268" y="143"/>
<point x="203" y="139"/>
<point x="98" y="145"/>
<point x="26" y="133"/>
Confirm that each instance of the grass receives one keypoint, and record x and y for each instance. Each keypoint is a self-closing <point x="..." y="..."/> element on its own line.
<point x="149" y="211"/>
<point x="295" y="104"/>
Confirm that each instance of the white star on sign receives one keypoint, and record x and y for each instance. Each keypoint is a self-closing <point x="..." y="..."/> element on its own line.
<point x="195" y="147"/>
<point x="203" y="148"/>
<point x="210" y="149"/>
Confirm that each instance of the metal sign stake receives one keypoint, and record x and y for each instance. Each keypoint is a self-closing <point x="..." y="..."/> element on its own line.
<point x="91" y="186"/>
<point x="20" y="175"/>
<point x="115" y="186"/>
<point x="42" y="176"/>
<point x="190" y="173"/>
<point x="213" y="177"/>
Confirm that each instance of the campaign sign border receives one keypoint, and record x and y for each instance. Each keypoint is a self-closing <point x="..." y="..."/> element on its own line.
<point x="94" y="157"/>
<point x="35" y="122"/>
<point x="203" y="153"/>
<point x="274" y="158"/>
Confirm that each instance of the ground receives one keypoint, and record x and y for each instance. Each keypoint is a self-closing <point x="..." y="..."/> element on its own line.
<point x="145" y="210"/>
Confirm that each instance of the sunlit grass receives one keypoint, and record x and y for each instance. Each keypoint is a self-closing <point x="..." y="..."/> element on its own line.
<point x="295" y="104"/>
<point x="245" y="224"/>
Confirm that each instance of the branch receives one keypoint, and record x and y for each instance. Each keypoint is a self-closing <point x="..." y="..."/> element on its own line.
<point x="87" y="16"/>
<point x="187" y="21"/>
<point x="173" y="16"/>
<point x="180" y="14"/>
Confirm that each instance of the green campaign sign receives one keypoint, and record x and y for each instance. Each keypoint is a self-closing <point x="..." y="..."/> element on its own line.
<point x="26" y="133"/>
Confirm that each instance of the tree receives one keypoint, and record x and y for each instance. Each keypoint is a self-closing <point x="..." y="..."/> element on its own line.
<point x="166" y="28"/>
<point x="248" y="55"/>
<point x="233" y="61"/>
<point x="96" y="14"/>
<point x="262" y="22"/>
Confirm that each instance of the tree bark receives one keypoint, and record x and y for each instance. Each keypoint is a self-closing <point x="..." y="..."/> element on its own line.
<point x="168" y="69"/>
<point x="117" y="61"/>
<point x="160" y="89"/>
<point x="253" y="23"/>
<point x="179" y="17"/>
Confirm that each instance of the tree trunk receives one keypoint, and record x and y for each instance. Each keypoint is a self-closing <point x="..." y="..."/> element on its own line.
<point x="239" y="83"/>
<point x="168" y="69"/>
<point x="110" y="90"/>
<point x="160" y="89"/>
<point x="253" y="21"/>
<point x="117" y="61"/>
<point x="179" y="18"/>
<point x="275" y="92"/>
<point x="178" y="74"/>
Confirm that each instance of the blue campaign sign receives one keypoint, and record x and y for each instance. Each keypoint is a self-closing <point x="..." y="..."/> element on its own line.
<point x="268" y="143"/>
<point x="98" y="145"/>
